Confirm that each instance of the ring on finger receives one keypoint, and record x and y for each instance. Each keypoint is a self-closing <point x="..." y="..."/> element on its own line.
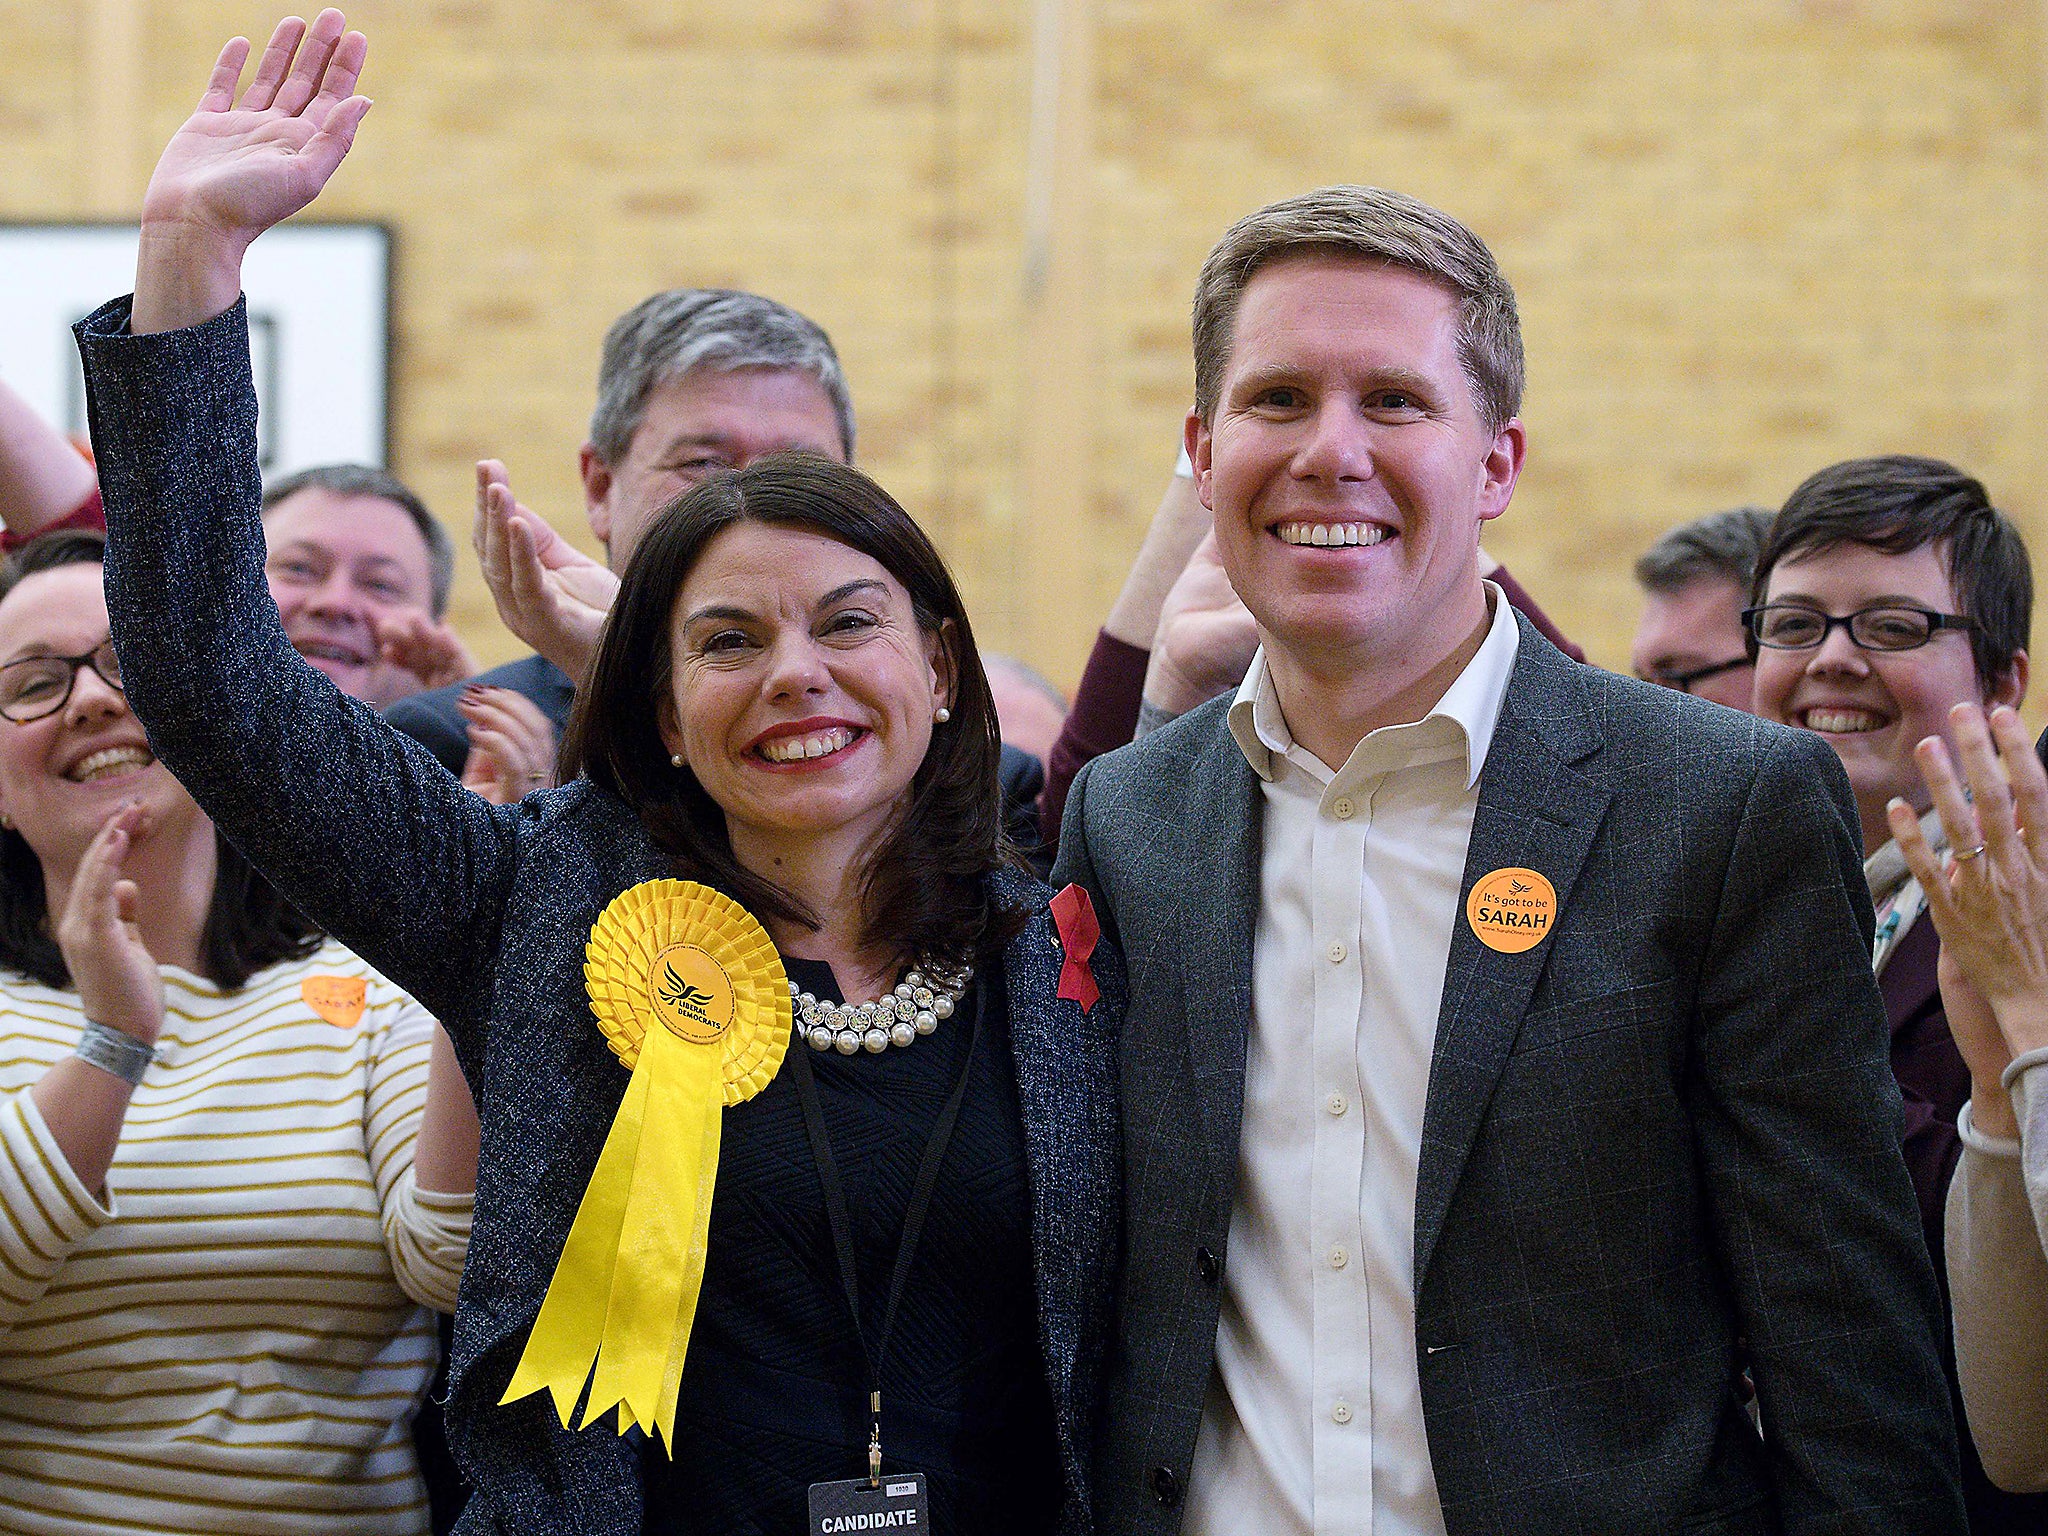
<point x="1964" y="855"/>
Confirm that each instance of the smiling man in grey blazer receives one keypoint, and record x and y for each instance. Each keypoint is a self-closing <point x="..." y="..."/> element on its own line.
<point x="1503" y="1072"/>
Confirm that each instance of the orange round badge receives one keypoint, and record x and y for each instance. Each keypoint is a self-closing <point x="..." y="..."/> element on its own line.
<point x="1511" y="910"/>
<point x="691" y="993"/>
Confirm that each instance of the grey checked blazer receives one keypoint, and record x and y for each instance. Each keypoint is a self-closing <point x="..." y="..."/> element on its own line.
<point x="1660" y="1144"/>
<point x="482" y="912"/>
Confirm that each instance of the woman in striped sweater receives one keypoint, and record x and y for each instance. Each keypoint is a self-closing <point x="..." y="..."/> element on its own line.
<point x="234" y="1160"/>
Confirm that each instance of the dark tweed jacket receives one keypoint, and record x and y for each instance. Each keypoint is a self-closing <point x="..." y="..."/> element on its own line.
<point x="1662" y="1142"/>
<point x="482" y="912"/>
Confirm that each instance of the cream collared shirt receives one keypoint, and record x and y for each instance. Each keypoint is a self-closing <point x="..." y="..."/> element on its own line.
<point x="1313" y="1422"/>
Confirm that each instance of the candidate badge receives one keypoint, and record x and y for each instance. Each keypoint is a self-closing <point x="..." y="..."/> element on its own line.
<point x="861" y="1505"/>
<point x="690" y="995"/>
<point x="1511" y="910"/>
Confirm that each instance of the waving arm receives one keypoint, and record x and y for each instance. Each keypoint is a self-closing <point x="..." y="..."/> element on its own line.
<point x="336" y="808"/>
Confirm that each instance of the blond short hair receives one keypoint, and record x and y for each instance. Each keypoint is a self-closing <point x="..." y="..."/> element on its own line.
<point x="1373" y="225"/>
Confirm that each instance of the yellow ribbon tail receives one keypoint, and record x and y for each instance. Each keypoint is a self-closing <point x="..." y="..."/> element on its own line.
<point x="668" y="1211"/>
<point x="693" y="1282"/>
<point x="624" y="1292"/>
<point x="565" y="1335"/>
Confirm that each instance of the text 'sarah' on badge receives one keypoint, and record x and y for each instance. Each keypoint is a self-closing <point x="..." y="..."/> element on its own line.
<point x="339" y="1000"/>
<point x="1511" y="910"/>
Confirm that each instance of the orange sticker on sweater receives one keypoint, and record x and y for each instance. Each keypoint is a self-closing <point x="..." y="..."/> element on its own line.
<point x="1511" y="909"/>
<point x="339" y="1000"/>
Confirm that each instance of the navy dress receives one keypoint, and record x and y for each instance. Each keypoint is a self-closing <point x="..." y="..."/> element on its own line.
<point x="773" y="1395"/>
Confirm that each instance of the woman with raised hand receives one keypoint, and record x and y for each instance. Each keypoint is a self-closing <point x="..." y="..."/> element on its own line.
<point x="218" y="1138"/>
<point x="1990" y="905"/>
<point x="787" y="707"/>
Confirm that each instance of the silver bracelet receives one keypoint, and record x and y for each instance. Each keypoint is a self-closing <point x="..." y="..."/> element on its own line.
<point x="111" y="1051"/>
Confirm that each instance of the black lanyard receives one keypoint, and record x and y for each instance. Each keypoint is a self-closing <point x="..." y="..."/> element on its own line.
<point x="913" y="1216"/>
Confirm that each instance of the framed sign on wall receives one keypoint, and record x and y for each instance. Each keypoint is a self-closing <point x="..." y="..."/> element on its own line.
<point x="319" y="330"/>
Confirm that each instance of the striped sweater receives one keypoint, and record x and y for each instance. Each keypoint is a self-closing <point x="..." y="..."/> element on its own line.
<point x="232" y="1342"/>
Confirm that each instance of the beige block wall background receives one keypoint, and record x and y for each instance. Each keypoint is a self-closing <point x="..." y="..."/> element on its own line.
<point x="1750" y="237"/>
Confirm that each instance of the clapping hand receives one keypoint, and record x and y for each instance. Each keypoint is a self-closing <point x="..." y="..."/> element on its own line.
<point x="239" y="166"/>
<point x="1990" y="905"/>
<point x="425" y="647"/>
<point x="118" y="982"/>
<point x="549" y="593"/>
<point x="511" y="745"/>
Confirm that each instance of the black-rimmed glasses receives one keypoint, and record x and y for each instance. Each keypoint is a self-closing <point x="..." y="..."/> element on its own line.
<point x="1683" y="681"/>
<point x="36" y="686"/>
<point x="1885" y="627"/>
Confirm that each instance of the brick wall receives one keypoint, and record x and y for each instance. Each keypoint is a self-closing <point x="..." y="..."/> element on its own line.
<point x="1749" y="238"/>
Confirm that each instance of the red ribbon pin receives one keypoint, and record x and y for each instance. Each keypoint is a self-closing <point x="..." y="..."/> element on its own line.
<point x="1074" y="916"/>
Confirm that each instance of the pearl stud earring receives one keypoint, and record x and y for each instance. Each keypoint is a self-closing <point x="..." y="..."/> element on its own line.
<point x="675" y="759"/>
<point x="941" y="715"/>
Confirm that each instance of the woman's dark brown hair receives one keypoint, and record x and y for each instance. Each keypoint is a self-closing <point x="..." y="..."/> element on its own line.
<point x="925" y="890"/>
<point x="249" y="927"/>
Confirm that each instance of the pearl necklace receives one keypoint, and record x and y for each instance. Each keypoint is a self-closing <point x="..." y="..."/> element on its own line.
<point x="922" y="998"/>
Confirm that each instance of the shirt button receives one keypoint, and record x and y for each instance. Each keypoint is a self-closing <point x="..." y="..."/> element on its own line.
<point x="1336" y="952"/>
<point x="1342" y="809"/>
<point x="1337" y="1104"/>
<point x="1339" y="1258"/>
<point x="1342" y="1412"/>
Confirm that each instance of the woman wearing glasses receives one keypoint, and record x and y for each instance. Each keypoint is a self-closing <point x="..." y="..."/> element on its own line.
<point x="218" y="1134"/>
<point x="1889" y="591"/>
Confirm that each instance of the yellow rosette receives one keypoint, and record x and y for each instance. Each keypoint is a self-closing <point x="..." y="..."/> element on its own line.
<point x="691" y="995"/>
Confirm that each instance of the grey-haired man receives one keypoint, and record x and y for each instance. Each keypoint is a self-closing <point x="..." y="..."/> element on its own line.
<point x="692" y="381"/>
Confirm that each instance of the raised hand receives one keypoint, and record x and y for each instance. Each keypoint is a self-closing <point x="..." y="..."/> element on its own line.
<point x="430" y="650"/>
<point x="118" y="982"/>
<point x="549" y="593"/>
<point x="1990" y="905"/>
<point x="511" y="745"/>
<point x="237" y="167"/>
<point x="1206" y="636"/>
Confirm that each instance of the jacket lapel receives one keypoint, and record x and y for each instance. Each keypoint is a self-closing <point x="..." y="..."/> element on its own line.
<point x="1067" y="1097"/>
<point x="1216" y="875"/>
<point x="1535" y="812"/>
